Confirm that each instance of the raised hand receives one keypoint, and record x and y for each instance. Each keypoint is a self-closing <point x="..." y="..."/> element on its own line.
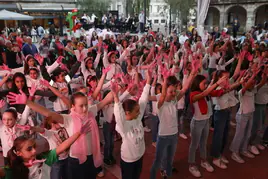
<point x="39" y="58"/>
<point x="86" y="127"/>
<point x="44" y="83"/>
<point x="106" y="70"/>
<point x="166" y="73"/>
<point x="23" y="127"/>
<point x="195" y="65"/>
<point x="59" y="59"/>
<point x="250" y="57"/>
<point x="132" y="89"/>
<point x="32" y="90"/>
<point x="5" y="67"/>
<point x="222" y="80"/>
<point x="17" y="98"/>
<point x="124" y="79"/>
<point x="64" y="67"/>
<point x="2" y="103"/>
<point x="114" y="87"/>
<point x="105" y="47"/>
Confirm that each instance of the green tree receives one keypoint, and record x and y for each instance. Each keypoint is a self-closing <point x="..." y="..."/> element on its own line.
<point x="135" y="6"/>
<point x="181" y="8"/>
<point x="98" y="7"/>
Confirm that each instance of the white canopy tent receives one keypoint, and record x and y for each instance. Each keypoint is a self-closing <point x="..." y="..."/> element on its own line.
<point x="202" y="10"/>
<point x="8" y="15"/>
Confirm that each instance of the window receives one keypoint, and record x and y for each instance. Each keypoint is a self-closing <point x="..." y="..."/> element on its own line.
<point x="163" y="21"/>
<point x="158" y="8"/>
<point x="119" y="8"/>
<point x="156" y="21"/>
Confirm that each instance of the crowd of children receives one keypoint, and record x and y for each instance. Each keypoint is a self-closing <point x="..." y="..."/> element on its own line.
<point x="62" y="96"/>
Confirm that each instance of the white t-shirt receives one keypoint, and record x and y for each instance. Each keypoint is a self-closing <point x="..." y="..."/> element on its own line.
<point x="58" y="104"/>
<point x="55" y="138"/>
<point x="212" y="60"/>
<point x="42" y="170"/>
<point x="68" y="125"/>
<point x="133" y="145"/>
<point x="261" y="96"/>
<point x="168" y="119"/>
<point x="247" y="104"/>
<point x="197" y="113"/>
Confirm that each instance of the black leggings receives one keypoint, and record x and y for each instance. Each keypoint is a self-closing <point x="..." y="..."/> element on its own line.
<point x="131" y="170"/>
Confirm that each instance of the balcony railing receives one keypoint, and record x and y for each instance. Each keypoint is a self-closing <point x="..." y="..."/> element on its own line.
<point x="41" y="1"/>
<point x="236" y="1"/>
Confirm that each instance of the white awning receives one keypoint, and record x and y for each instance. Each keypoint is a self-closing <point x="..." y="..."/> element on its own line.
<point x="8" y="15"/>
<point x="68" y="7"/>
<point x="41" y="7"/>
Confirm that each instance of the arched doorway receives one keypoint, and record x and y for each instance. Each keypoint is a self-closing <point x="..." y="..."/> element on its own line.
<point x="239" y="13"/>
<point x="261" y="15"/>
<point x="213" y="18"/>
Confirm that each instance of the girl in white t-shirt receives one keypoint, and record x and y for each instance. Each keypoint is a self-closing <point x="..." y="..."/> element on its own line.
<point x="10" y="128"/>
<point x="244" y="119"/>
<point x="168" y="126"/>
<point x="85" y="155"/>
<point x="24" y="162"/>
<point x="200" y="122"/>
<point x="128" y="116"/>
<point x="222" y="117"/>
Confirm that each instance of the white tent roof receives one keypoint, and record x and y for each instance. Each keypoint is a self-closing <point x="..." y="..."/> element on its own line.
<point x="8" y="15"/>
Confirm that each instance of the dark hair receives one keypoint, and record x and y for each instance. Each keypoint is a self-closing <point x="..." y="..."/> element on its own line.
<point x="13" y="112"/>
<point x="76" y="95"/>
<point x="15" y="88"/>
<point x="26" y="66"/>
<point x="87" y="59"/>
<point x="35" y="69"/>
<point x="158" y="85"/>
<point x="129" y="104"/>
<point x="91" y="78"/>
<point x="48" y="122"/>
<point x="197" y="80"/>
<point x="172" y="81"/>
<point x="219" y="74"/>
<point x="56" y="73"/>
<point x="16" y="163"/>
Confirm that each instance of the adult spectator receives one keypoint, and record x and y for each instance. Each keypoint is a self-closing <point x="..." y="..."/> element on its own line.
<point x="41" y="31"/>
<point x="236" y="26"/>
<point x="141" y="21"/>
<point x="2" y="51"/>
<point x="14" y="56"/>
<point x="29" y="48"/>
<point x="183" y="38"/>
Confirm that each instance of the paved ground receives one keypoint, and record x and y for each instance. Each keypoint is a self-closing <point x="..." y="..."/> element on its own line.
<point x="256" y="168"/>
<point x="253" y="168"/>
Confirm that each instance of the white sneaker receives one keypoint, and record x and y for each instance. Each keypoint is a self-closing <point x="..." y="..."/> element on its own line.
<point x="261" y="147"/>
<point x="247" y="154"/>
<point x="253" y="150"/>
<point x="146" y="129"/>
<point x="236" y="157"/>
<point x="224" y="159"/>
<point x="194" y="171"/>
<point x="101" y="174"/>
<point x="183" y="136"/>
<point x="207" y="166"/>
<point x="219" y="163"/>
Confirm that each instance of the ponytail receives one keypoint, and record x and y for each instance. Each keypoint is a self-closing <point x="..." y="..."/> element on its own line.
<point x="15" y="162"/>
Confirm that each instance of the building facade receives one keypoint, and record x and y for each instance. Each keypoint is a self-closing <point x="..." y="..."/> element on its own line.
<point x="45" y="12"/>
<point x="248" y="12"/>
